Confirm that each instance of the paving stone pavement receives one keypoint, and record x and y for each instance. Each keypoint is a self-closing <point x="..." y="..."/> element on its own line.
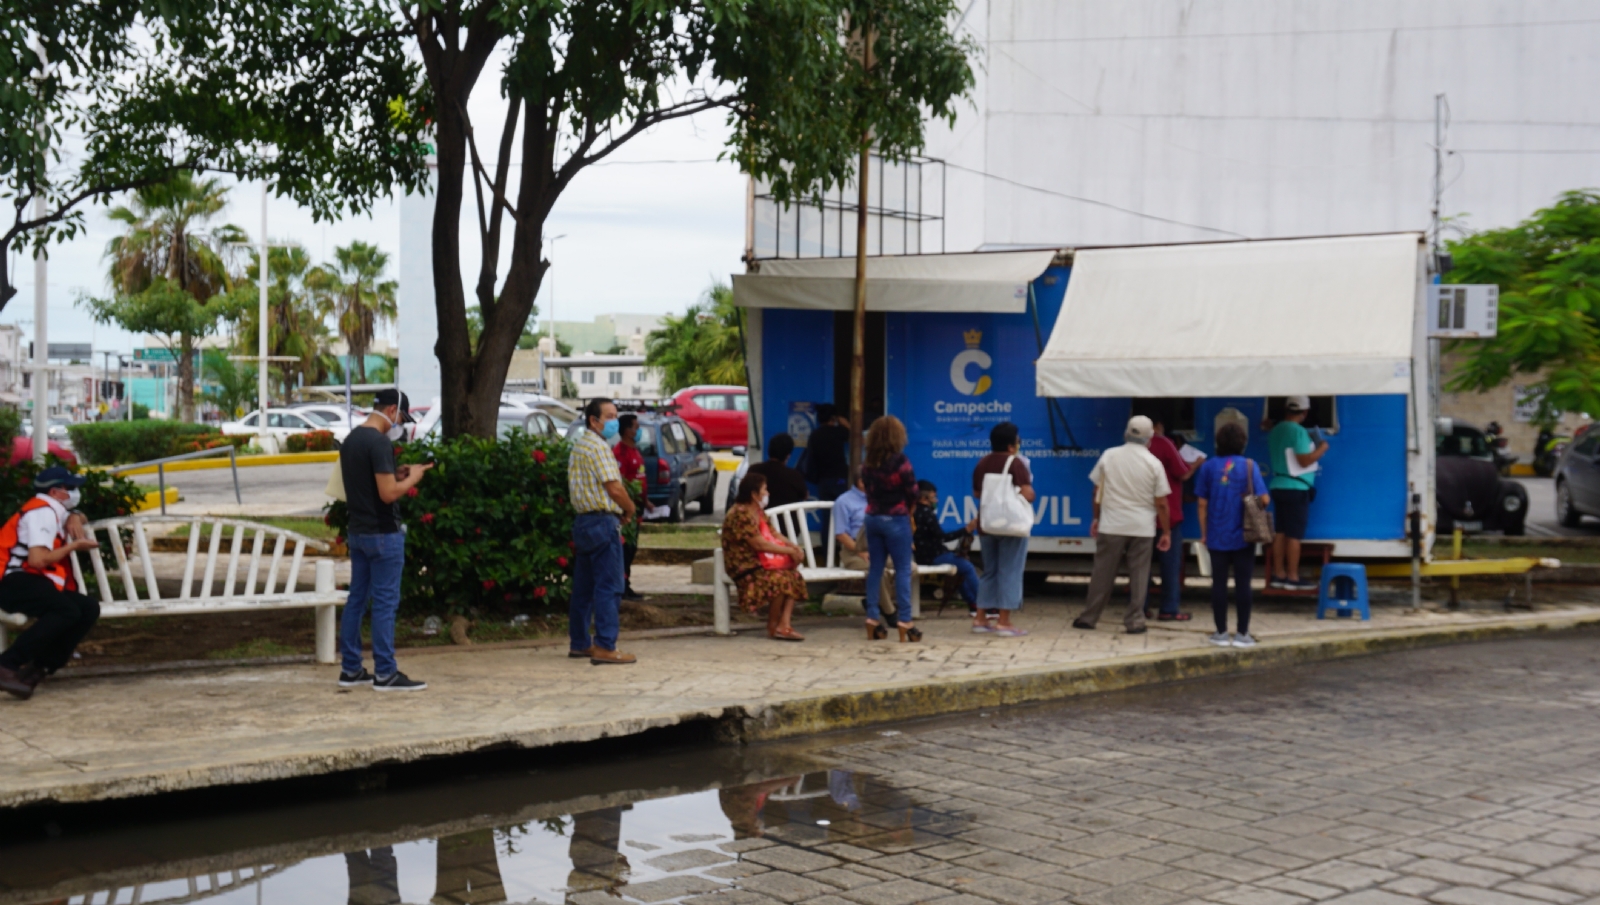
<point x="88" y="738"/>
<point x="1467" y="775"/>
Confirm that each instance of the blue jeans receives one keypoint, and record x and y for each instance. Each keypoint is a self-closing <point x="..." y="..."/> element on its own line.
<point x="1170" y="564"/>
<point x="1004" y="558"/>
<point x="889" y="537"/>
<point x="597" y="580"/>
<point x="968" y="573"/>
<point x="376" y="561"/>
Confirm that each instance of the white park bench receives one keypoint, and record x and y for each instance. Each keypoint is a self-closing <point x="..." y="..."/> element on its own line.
<point x="791" y="522"/>
<point x="278" y="589"/>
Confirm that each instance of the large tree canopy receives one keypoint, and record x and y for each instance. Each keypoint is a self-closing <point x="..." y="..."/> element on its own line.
<point x="104" y="97"/>
<point x="1548" y="271"/>
<point x="324" y="99"/>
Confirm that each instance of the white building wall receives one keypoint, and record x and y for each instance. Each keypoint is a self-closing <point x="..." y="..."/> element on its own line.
<point x="1170" y="120"/>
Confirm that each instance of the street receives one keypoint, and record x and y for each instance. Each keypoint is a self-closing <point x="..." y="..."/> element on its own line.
<point x="1459" y="775"/>
<point x="264" y="489"/>
<point x="1542" y="511"/>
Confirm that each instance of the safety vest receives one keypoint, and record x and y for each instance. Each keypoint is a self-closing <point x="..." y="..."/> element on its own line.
<point x="60" y="573"/>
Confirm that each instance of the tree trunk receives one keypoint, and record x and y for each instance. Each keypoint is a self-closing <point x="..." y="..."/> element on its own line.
<point x="858" y="342"/>
<point x="186" y="378"/>
<point x="454" y="346"/>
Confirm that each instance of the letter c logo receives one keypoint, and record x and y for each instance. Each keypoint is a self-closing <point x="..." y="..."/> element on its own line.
<point x="958" y="372"/>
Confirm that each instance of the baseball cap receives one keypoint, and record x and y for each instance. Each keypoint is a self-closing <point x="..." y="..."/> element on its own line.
<point x="1140" y="427"/>
<point x="386" y="398"/>
<point x="56" y="476"/>
<point x="1297" y="404"/>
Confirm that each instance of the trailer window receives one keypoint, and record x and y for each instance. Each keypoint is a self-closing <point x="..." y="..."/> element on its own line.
<point x="1324" y="412"/>
<point x="1176" y="413"/>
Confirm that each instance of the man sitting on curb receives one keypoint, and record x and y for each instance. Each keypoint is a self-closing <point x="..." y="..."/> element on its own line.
<point x="38" y="582"/>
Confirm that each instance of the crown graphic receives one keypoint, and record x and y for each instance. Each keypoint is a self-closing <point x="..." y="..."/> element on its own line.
<point x="973" y="337"/>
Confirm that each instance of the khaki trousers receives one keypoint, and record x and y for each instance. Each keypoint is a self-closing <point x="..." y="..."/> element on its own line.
<point x="1110" y="551"/>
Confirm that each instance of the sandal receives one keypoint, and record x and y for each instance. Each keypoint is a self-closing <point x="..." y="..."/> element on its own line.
<point x="912" y="634"/>
<point x="876" y="632"/>
<point x="1010" y="631"/>
<point x="787" y="635"/>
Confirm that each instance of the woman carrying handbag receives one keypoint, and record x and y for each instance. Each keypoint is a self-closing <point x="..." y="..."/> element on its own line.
<point x="1233" y="519"/>
<point x="1004" y="488"/>
<point x="764" y="566"/>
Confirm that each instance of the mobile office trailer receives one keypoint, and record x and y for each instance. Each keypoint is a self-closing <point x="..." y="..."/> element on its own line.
<point x="1068" y="343"/>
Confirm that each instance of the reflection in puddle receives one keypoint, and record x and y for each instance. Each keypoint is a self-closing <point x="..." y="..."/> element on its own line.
<point x="652" y="851"/>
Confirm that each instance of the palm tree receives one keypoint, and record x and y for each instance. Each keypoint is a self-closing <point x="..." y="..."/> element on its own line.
<point x="164" y="250"/>
<point x="705" y="345"/>
<point x="297" y="311"/>
<point x="361" y="301"/>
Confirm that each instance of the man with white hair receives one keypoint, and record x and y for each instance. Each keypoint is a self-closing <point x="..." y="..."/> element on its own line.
<point x="1130" y="501"/>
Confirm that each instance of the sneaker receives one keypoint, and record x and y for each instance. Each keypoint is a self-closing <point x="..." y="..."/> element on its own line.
<point x="1298" y="585"/>
<point x="1221" y="639"/>
<point x="398" y="682"/>
<point x="1082" y="625"/>
<point x="1282" y="583"/>
<point x="355" y="679"/>
<point x="1243" y="641"/>
<point x="631" y="594"/>
<point x="14" y="685"/>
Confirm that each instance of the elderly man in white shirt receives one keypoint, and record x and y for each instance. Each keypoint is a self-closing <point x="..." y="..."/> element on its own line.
<point x="1130" y="502"/>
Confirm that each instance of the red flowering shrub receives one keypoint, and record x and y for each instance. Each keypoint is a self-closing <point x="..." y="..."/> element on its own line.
<point x="486" y="529"/>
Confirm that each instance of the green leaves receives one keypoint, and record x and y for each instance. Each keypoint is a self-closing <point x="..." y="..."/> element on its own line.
<point x="1548" y="271"/>
<point x="704" y="346"/>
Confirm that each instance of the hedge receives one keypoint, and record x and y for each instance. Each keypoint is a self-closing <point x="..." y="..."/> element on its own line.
<point x="311" y="441"/>
<point x="122" y="442"/>
<point x="488" y="529"/>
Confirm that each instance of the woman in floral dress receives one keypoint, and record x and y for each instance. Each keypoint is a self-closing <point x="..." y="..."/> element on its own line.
<point x="742" y="544"/>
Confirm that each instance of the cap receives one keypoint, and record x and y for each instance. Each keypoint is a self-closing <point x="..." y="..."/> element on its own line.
<point x="1297" y="404"/>
<point x="1140" y="427"/>
<point x="386" y="398"/>
<point x="56" y="476"/>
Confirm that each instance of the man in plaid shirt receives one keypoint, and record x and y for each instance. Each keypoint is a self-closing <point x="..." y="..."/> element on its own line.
<point x="594" y="484"/>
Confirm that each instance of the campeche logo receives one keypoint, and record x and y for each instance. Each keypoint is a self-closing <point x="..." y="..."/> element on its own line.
<point x="971" y="356"/>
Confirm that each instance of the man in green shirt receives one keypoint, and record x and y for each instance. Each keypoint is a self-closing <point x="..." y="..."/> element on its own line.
<point x="1291" y="493"/>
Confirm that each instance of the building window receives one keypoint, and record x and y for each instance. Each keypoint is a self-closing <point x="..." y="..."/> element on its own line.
<point x="586" y="377"/>
<point x="616" y="378"/>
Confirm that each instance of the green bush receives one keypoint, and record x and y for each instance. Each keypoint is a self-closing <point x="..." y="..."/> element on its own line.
<point x="489" y="528"/>
<point x="122" y="442"/>
<point x="10" y="427"/>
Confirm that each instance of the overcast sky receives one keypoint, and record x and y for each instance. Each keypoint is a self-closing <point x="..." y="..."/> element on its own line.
<point x="641" y="236"/>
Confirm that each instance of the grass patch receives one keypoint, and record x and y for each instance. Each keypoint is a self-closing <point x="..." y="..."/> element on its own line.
<point x="696" y="541"/>
<point x="310" y="526"/>
<point x="677" y="528"/>
<point x="254" y="648"/>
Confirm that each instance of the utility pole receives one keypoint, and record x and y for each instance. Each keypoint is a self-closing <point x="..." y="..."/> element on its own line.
<point x="41" y="338"/>
<point x="1435" y="347"/>
<point x="261" y="366"/>
<point x="865" y="38"/>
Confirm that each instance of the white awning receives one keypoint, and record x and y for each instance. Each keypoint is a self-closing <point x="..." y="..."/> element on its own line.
<point x="1295" y="316"/>
<point x="995" y="282"/>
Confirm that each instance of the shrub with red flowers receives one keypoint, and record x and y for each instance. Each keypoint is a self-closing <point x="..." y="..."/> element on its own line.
<point x="310" y="441"/>
<point x="487" y="529"/>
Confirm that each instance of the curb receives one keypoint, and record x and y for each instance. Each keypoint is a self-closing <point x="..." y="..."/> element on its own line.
<point x="832" y="711"/>
<point x="244" y="462"/>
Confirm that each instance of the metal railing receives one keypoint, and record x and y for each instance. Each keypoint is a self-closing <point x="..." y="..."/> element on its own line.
<point x="161" y="469"/>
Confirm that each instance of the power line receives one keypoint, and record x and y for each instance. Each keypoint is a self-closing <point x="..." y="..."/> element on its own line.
<point x="1525" y="151"/>
<point x="1094" y="202"/>
<point x="1091" y="113"/>
<point x="1296" y="32"/>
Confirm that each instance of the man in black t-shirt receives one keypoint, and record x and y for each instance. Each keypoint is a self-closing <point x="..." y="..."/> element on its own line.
<point x="785" y="485"/>
<point x="373" y="486"/>
<point x="827" y="461"/>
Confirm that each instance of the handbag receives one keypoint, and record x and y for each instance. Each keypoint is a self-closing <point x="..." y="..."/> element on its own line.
<point x="1257" y="520"/>
<point x="773" y="562"/>
<point x="1003" y="512"/>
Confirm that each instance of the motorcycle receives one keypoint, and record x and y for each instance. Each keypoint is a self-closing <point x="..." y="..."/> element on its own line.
<point x="1498" y="444"/>
<point x="1547" y="451"/>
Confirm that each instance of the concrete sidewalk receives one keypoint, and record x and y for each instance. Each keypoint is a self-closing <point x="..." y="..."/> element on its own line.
<point x="85" y="739"/>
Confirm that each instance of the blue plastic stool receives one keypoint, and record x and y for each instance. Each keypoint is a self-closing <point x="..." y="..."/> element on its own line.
<point x="1351" y="597"/>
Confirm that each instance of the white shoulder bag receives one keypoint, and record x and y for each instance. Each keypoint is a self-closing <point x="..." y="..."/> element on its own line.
<point x="1003" y="512"/>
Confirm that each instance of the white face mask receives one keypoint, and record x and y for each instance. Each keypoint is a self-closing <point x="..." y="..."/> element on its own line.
<point x="72" y="500"/>
<point x="395" y="432"/>
<point x="763" y="501"/>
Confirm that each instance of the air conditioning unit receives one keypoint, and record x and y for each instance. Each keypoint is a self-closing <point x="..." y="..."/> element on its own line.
<point x="1463" y="311"/>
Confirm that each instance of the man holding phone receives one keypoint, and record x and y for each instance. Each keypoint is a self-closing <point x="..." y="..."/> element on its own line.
<point x="373" y="486"/>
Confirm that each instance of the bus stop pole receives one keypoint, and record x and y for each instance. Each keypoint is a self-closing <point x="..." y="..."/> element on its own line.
<point x="1416" y="551"/>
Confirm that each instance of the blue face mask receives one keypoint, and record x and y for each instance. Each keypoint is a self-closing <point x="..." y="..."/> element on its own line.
<point x="610" y="428"/>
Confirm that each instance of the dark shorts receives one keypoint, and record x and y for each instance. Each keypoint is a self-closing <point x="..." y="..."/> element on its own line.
<point x="1290" y="511"/>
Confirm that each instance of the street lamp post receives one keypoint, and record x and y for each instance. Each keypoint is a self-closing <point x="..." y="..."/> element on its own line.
<point x="544" y="380"/>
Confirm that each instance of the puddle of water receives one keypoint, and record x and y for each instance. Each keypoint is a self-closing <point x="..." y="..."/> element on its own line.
<point x="639" y="849"/>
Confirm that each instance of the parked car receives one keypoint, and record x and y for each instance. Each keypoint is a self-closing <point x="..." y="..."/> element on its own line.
<point x="534" y="422"/>
<point x="280" y="424"/>
<point x="1577" y="477"/>
<point x="1471" y="492"/>
<point x="677" y="464"/>
<point x="720" y="413"/>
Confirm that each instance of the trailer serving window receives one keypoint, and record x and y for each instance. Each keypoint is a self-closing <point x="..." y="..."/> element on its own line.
<point x="1324" y="412"/>
<point x="1175" y="413"/>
